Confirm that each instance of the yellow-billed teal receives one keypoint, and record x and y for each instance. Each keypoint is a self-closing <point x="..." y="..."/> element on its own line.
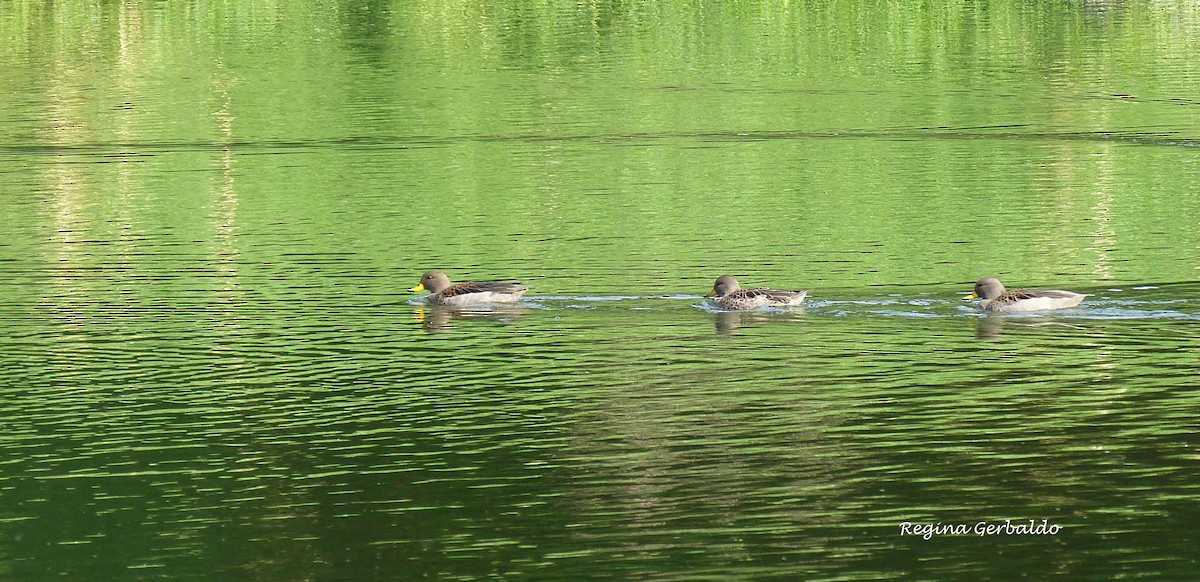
<point x="997" y="299"/>
<point x="442" y="292"/>
<point x="727" y="294"/>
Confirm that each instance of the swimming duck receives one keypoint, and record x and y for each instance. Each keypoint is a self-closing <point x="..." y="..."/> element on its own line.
<point x="442" y="292"/>
<point x="995" y="298"/>
<point x="727" y="294"/>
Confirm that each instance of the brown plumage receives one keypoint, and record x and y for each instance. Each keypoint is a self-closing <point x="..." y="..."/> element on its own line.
<point x="728" y="294"/>
<point x="443" y="292"/>
<point x="997" y="299"/>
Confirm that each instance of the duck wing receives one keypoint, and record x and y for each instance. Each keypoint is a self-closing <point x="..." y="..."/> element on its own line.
<point x="483" y="287"/>
<point x="1018" y="294"/>
<point x="755" y="293"/>
<point x="776" y="296"/>
<point x="501" y="286"/>
<point x="1019" y="300"/>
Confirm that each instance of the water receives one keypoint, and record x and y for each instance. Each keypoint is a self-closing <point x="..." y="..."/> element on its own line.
<point x="211" y="369"/>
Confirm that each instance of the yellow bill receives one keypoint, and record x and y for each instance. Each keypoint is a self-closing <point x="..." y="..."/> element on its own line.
<point x="419" y="287"/>
<point x="973" y="295"/>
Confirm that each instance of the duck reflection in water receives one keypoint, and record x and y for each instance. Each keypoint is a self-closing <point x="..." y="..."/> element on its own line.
<point x="729" y="322"/>
<point x="992" y="326"/>
<point x="439" y="318"/>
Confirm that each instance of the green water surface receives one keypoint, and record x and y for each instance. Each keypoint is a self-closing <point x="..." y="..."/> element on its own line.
<point x="211" y="369"/>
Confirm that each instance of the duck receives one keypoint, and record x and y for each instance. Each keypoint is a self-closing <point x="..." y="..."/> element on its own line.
<point x="443" y="292"/>
<point x="728" y="294"/>
<point x="998" y="300"/>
